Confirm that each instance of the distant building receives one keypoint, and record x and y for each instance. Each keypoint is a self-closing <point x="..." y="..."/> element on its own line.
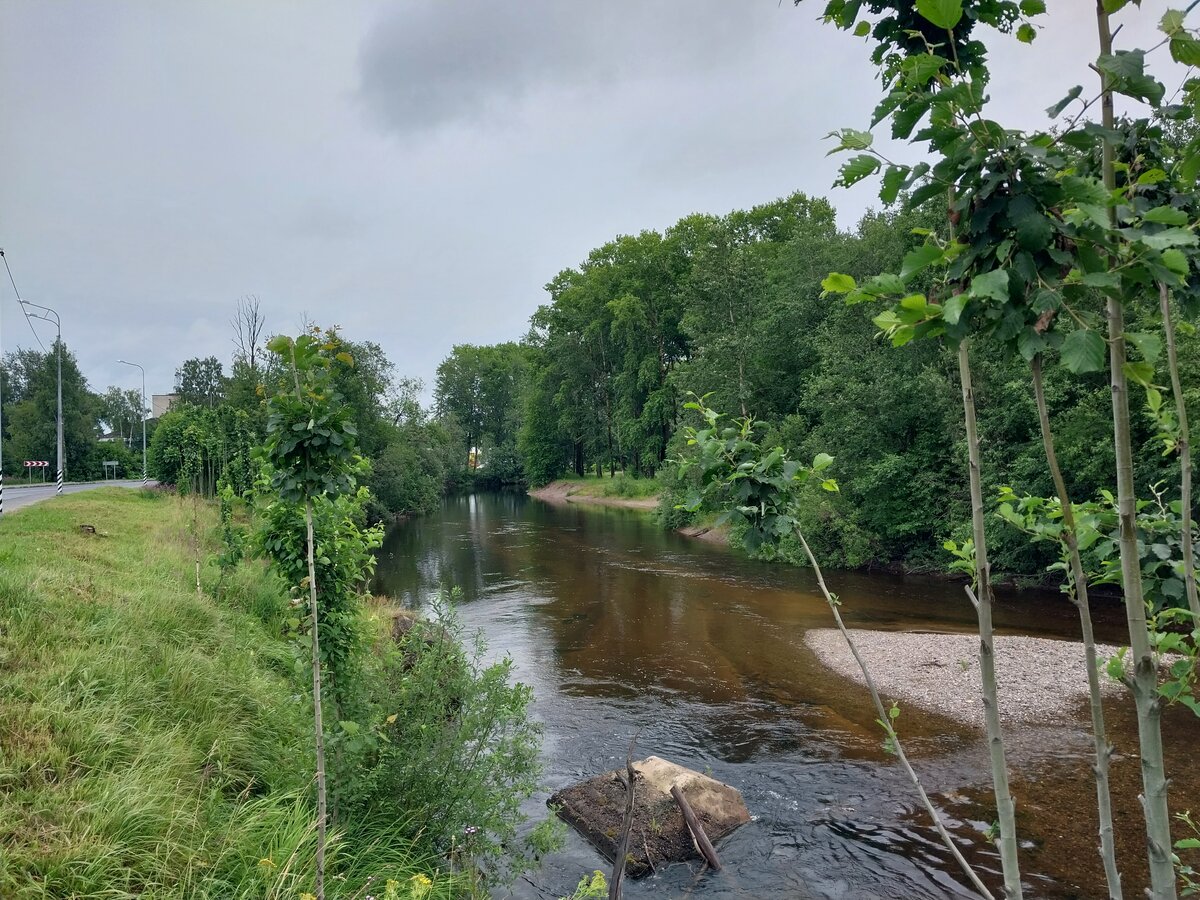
<point x="160" y="404"/>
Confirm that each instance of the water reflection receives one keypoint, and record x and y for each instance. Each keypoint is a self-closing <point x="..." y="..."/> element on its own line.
<point x="619" y="625"/>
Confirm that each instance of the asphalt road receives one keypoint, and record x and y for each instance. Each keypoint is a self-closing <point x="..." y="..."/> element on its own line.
<point x="17" y="496"/>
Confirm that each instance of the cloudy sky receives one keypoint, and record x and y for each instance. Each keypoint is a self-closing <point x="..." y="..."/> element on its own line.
<point x="415" y="171"/>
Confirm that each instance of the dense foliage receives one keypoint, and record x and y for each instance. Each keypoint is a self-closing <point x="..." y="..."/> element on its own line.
<point x="732" y="307"/>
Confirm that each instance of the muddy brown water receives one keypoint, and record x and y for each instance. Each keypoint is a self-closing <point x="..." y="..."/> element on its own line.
<point x="620" y="627"/>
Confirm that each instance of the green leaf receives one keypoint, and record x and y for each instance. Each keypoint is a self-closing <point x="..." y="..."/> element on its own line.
<point x="1139" y="372"/>
<point x="1185" y="49"/>
<point x="851" y="139"/>
<point x="856" y="169"/>
<point x="920" y="67"/>
<point x="991" y="284"/>
<point x="1149" y="345"/>
<point x="1033" y="7"/>
<point x="1026" y="33"/>
<point x="280" y="344"/>
<point x="1126" y="75"/>
<point x="1166" y="215"/>
<point x="1101" y="280"/>
<point x="942" y="13"/>
<point x="837" y="283"/>
<point x="1034" y="230"/>
<point x="862" y="29"/>
<point x="1176" y="261"/>
<point x="893" y="180"/>
<point x="1172" y="21"/>
<point x="1072" y="95"/>
<point x="821" y="462"/>
<point x="1083" y="351"/>
<point x="952" y="309"/>
<point x="919" y="259"/>
<point x="1168" y="237"/>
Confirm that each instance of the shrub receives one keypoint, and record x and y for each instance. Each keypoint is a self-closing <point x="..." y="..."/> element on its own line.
<point x="453" y="743"/>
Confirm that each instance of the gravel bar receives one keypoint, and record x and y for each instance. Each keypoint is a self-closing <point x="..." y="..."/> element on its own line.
<point x="1041" y="681"/>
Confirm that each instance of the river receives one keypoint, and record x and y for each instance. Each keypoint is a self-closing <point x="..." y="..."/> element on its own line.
<point x="621" y="627"/>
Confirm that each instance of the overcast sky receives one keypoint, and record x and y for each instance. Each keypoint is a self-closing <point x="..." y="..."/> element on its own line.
<point x="416" y="171"/>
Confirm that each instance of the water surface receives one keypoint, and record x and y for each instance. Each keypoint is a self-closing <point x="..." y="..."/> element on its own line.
<point x="621" y="627"/>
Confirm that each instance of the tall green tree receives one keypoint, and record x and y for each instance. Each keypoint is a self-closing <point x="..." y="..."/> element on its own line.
<point x="201" y="381"/>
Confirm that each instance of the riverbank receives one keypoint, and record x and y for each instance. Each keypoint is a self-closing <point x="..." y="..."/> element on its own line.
<point x="1043" y="681"/>
<point x="155" y="738"/>
<point x="593" y="492"/>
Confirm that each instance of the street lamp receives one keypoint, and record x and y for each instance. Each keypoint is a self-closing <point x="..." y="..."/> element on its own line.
<point x="145" y="480"/>
<point x="62" y="466"/>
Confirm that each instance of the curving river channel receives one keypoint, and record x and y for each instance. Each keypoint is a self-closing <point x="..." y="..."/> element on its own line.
<point x="620" y="626"/>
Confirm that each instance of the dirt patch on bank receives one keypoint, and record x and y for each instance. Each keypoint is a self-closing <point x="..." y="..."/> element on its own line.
<point x="574" y="492"/>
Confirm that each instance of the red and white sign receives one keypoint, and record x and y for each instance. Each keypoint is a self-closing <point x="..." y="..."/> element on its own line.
<point x="36" y="463"/>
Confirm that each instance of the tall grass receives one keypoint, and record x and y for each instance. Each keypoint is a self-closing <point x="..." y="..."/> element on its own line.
<point x="154" y="742"/>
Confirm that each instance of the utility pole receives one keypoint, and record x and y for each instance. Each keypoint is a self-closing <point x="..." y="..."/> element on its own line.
<point x="62" y="465"/>
<point x="145" y="479"/>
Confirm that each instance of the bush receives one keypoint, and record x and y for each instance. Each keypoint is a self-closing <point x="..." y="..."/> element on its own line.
<point x="453" y="743"/>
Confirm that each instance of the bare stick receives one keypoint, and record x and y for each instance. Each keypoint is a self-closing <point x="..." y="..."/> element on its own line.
<point x="618" y="876"/>
<point x="318" y="727"/>
<point x="702" y="842"/>
<point x="891" y="733"/>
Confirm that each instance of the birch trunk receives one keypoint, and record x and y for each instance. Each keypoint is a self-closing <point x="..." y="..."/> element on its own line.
<point x="1079" y="596"/>
<point x="1005" y="807"/>
<point x="1143" y="682"/>
<point x="1185" y="455"/>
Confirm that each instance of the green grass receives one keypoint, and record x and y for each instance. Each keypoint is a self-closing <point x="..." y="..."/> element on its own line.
<point x="154" y="742"/>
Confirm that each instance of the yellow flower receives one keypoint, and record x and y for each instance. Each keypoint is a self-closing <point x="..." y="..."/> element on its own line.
<point x="266" y="863"/>
<point x="419" y="885"/>
<point x="308" y="897"/>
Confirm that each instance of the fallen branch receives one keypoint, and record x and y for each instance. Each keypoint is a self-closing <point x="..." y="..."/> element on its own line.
<point x="701" y="839"/>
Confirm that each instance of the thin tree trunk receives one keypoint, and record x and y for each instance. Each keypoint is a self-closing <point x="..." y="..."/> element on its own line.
<point x="1079" y="596"/>
<point x="1144" y="680"/>
<point x="1005" y="807"/>
<point x="1185" y="455"/>
<point x="885" y="720"/>
<point x="318" y="725"/>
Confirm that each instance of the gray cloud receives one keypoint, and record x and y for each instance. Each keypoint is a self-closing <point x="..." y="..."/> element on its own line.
<point x="428" y="63"/>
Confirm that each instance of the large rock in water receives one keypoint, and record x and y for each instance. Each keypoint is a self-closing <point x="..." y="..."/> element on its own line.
<point x="659" y="834"/>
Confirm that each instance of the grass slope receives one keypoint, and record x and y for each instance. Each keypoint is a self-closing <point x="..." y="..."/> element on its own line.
<point x="153" y="742"/>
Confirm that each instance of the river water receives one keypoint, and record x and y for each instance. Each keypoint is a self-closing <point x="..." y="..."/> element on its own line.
<point x="621" y="627"/>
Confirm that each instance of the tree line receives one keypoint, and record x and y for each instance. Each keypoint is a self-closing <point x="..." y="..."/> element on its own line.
<point x="732" y="308"/>
<point x="97" y="426"/>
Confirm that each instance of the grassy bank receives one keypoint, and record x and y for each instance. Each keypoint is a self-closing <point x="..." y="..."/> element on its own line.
<point x="153" y="741"/>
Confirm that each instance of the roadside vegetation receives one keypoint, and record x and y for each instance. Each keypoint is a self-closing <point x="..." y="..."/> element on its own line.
<point x="156" y="739"/>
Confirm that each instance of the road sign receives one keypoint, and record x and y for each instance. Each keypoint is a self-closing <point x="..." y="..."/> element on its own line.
<point x="36" y="463"/>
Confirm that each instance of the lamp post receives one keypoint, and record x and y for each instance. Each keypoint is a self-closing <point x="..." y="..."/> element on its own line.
<point x="62" y="466"/>
<point x="145" y="480"/>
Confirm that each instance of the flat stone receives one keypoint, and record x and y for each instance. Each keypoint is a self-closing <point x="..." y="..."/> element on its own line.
<point x="659" y="834"/>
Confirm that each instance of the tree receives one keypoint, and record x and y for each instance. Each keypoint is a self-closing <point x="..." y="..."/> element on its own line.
<point x="200" y="382"/>
<point x="31" y="411"/>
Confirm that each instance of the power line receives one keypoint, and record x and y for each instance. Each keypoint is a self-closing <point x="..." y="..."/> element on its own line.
<point x="28" y="321"/>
